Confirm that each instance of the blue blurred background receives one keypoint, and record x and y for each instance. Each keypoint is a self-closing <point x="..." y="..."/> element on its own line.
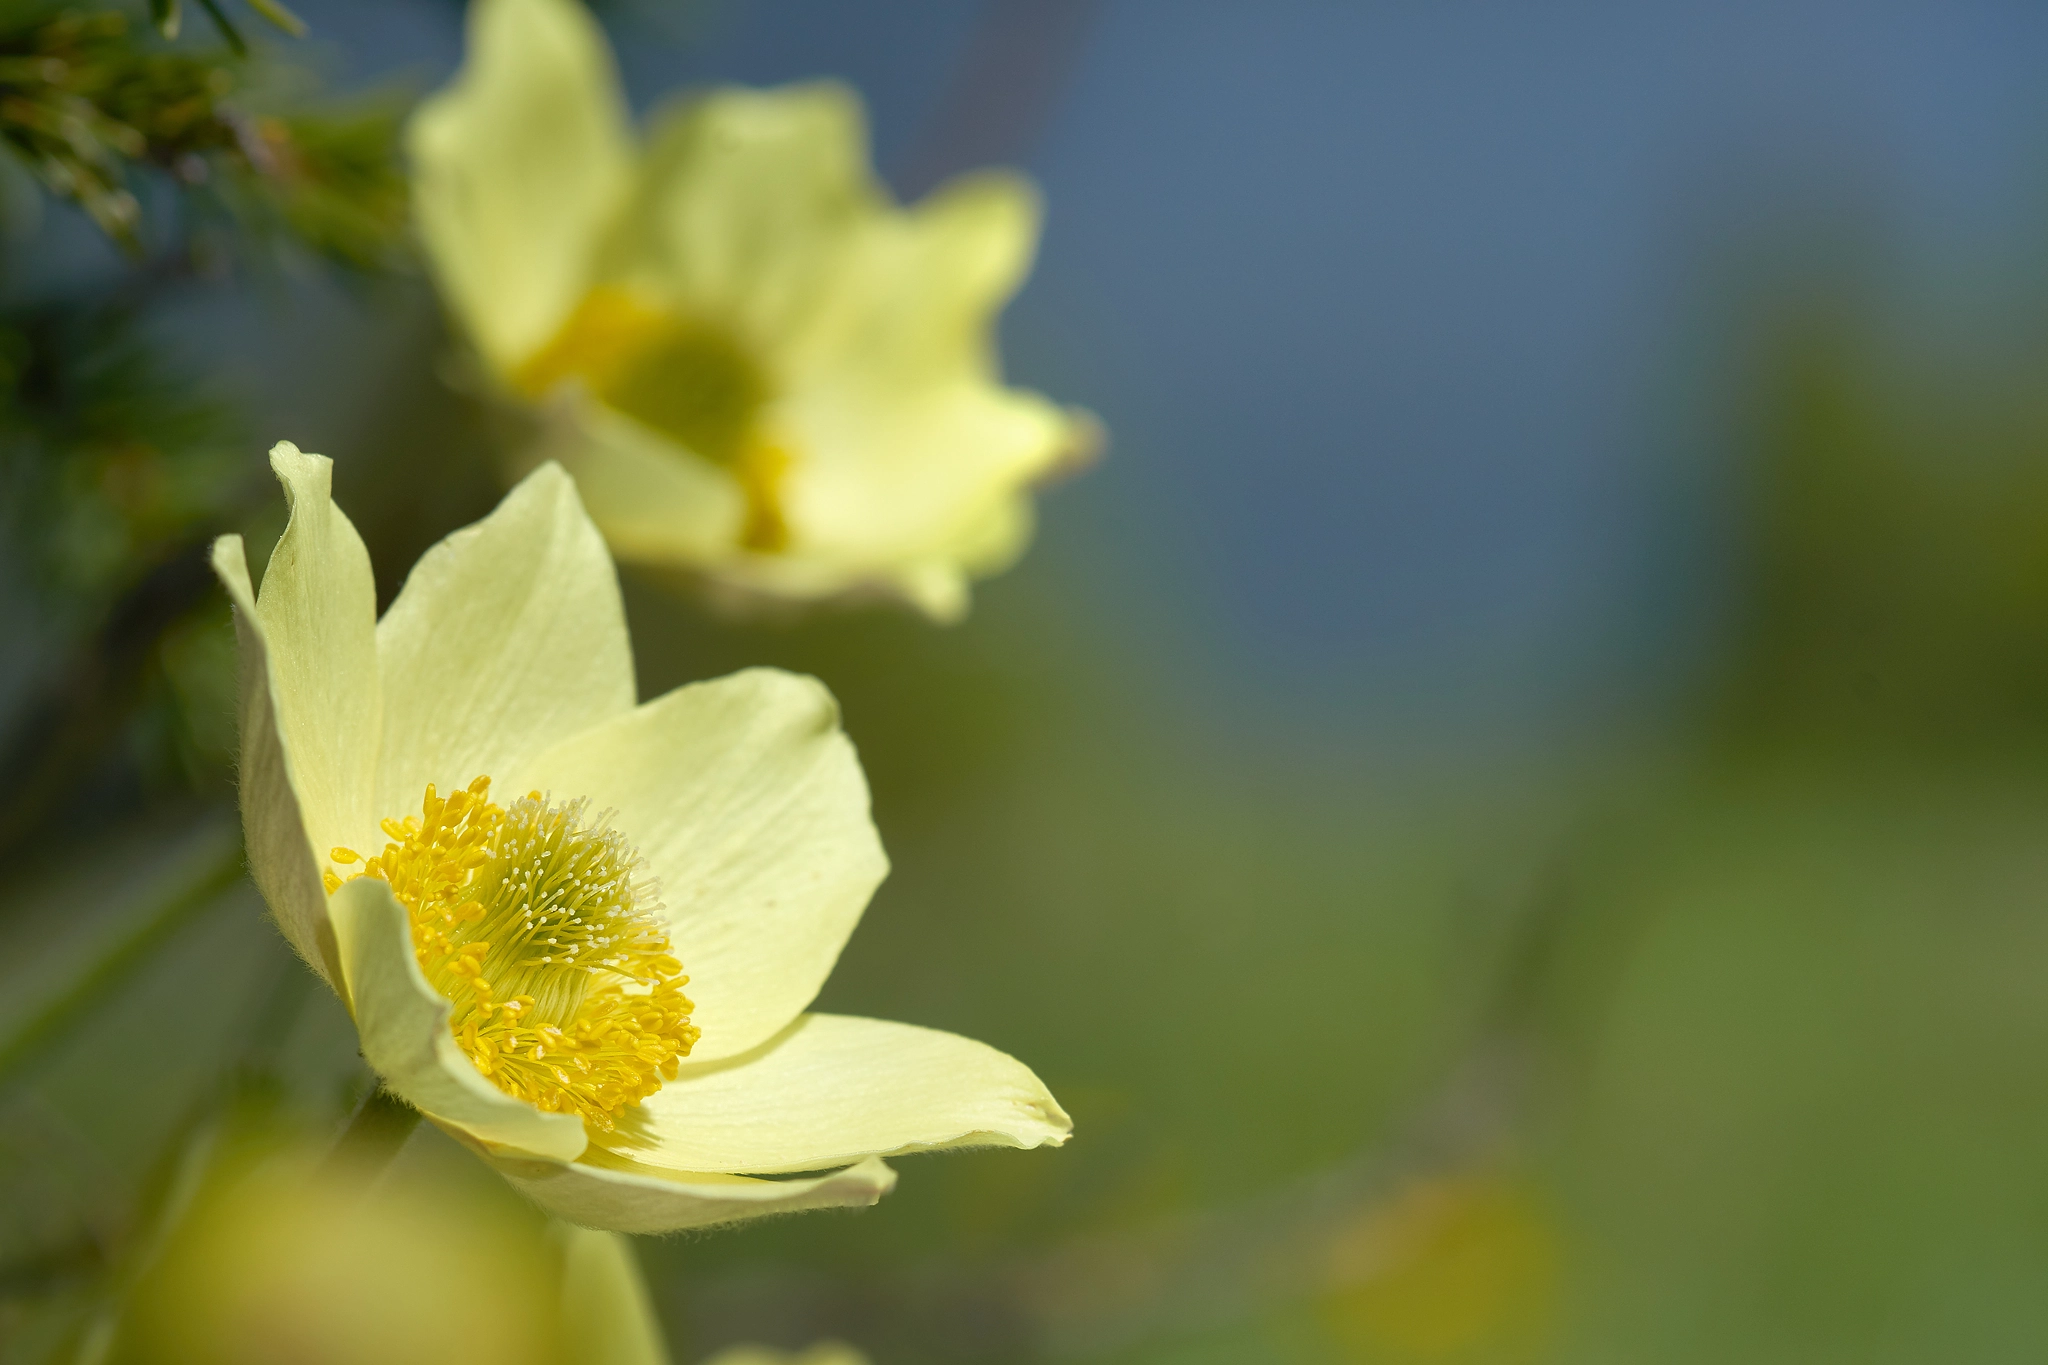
<point x="1411" y="322"/>
<point x="1510" y="805"/>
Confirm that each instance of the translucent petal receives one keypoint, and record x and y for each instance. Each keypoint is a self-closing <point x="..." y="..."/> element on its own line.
<point x="912" y="446"/>
<point x="656" y="502"/>
<point x="508" y="635"/>
<point x="310" y="694"/>
<point x="933" y="279"/>
<point x="834" y="1089"/>
<point x="280" y="853"/>
<point x="748" y="209"/>
<point x="749" y="804"/>
<point x="517" y="166"/>
<point x="625" y="1197"/>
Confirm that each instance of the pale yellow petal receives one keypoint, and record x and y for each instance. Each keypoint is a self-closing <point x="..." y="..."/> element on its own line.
<point x="748" y="208"/>
<point x="280" y="853"/>
<point x="318" y="608"/>
<point x="402" y="1023"/>
<point x="935" y="584"/>
<point x="890" y="477"/>
<point x="834" y="1089"/>
<point x="912" y="448"/>
<point x="517" y="166"/>
<point x="749" y="804"/>
<point x="309" y="698"/>
<point x="802" y="577"/>
<point x="624" y="1197"/>
<point x="655" y="501"/>
<point x="508" y="636"/>
<point x="993" y="540"/>
<point x="605" y="1309"/>
<point x="984" y="544"/>
<point x="936" y="587"/>
<point x="934" y="278"/>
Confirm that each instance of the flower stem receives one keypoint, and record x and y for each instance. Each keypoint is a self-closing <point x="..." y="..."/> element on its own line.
<point x="47" y="1022"/>
<point x="375" y="1132"/>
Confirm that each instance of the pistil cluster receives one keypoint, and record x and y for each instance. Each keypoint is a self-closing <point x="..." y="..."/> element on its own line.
<point x="541" y="925"/>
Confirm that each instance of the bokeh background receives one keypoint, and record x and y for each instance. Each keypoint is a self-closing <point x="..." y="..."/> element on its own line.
<point x="1512" y="806"/>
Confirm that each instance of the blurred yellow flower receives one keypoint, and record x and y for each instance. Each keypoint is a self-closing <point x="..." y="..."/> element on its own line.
<point x="758" y="368"/>
<point x="280" y="1261"/>
<point x="824" y="1353"/>
<point x="605" y="1311"/>
<point x="512" y="951"/>
<point x="1460" y="1267"/>
<point x="282" y="1265"/>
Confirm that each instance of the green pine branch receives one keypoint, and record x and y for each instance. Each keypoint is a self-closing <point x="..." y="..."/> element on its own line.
<point x="92" y="104"/>
<point x="168" y="16"/>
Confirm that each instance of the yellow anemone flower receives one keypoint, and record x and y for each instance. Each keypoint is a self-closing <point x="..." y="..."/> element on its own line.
<point x="461" y="819"/>
<point x="758" y="368"/>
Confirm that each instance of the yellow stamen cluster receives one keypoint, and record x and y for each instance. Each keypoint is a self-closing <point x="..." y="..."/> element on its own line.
<point x="690" y="379"/>
<point x="542" y="927"/>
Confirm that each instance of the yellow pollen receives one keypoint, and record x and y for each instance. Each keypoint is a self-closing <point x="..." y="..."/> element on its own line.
<point x="689" y="379"/>
<point x="541" y="926"/>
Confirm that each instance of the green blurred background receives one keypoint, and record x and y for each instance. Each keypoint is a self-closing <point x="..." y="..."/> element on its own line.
<point x="1510" y="808"/>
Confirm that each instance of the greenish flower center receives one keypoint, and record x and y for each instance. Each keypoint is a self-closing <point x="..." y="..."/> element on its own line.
<point x="695" y="383"/>
<point x="689" y="379"/>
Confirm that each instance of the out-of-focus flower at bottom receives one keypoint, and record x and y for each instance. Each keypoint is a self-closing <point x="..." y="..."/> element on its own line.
<point x="824" y="1353"/>
<point x="282" y="1265"/>
<point x="1458" y="1268"/>
<point x="606" y="1316"/>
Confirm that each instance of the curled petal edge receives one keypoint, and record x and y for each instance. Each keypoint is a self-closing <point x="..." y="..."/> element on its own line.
<point x="623" y="1196"/>
<point x="403" y="1024"/>
<point x="280" y="852"/>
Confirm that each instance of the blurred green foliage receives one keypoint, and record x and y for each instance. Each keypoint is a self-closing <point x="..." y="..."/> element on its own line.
<point x="119" y="457"/>
<point x="80" y="100"/>
<point x="1898" y="574"/>
<point x="168" y="16"/>
<point x="86" y="100"/>
<point x="112" y="453"/>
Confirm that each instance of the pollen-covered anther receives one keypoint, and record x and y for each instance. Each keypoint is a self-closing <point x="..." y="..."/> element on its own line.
<point x="541" y="926"/>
